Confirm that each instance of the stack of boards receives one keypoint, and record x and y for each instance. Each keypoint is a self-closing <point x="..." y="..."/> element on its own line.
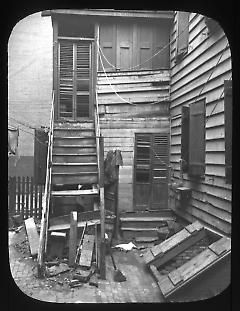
<point x="204" y="275"/>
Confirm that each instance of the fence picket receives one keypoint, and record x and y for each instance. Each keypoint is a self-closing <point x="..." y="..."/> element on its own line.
<point x="24" y="197"/>
<point x="18" y="195"/>
<point x="31" y="197"/>
<point x="27" y="196"/>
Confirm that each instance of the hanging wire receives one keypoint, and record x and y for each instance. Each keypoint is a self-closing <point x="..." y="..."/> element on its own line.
<point x="128" y="102"/>
<point x="154" y="55"/>
<point x="26" y="124"/>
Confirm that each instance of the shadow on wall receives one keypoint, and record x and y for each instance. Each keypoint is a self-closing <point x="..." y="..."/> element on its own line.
<point x="24" y="166"/>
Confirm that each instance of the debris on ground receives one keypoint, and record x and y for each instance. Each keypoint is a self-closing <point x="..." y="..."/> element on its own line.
<point x="125" y="247"/>
<point x="55" y="270"/>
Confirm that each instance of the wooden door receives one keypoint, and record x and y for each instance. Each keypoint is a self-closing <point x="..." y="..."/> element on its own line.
<point x="151" y="171"/>
<point x="75" y="87"/>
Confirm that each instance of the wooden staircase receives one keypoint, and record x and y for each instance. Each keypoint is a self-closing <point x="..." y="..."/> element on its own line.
<point x="74" y="158"/>
<point x="74" y="171"/>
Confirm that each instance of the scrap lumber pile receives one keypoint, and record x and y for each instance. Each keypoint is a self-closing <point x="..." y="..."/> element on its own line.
<point x="191" y="264"/>
<point x="73" y="247"/>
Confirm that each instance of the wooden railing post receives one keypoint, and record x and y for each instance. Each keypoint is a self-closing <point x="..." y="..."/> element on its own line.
<point x="102" y="210"/>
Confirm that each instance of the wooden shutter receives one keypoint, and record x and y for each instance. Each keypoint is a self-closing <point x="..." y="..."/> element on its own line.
<point x="228" y="129"/>
<point x="65" y="79"/>
<point x="197" y="138"/>
<point x="145" y="41"/>
<point x="182" y="34"/>
<point x="83" y="64"/>
<point x="40" y="155"/>
<point x="185" y="139"/>
<point x="124" y="46"/>
<point x="160" y="157"/>
<point x="107" y="38"/>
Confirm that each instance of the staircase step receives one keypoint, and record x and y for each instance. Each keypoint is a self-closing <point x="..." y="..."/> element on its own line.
<point x="74" y="149"/>
<point x="73" y="158"/>
<point x="74" y="168"/>
<point x="59" y="132"/>
<point x="74" y="141"/>
<point x="75" y="192"/>
<point x="85" y="124"/>
<point x="74" y="178"/>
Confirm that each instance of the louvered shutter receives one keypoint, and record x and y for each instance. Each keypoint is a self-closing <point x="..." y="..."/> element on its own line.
<point x="228" y="129"/>
<point x="66" y="82"/>
<point x="83" y="63"/>
<point x="160" y="149"/>
<point x="197" y="138"/>
<point x="185" y="139"/>
<point x="107" y="39"/>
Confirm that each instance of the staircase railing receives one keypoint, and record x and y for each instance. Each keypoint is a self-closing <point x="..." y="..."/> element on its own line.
<point x="100" y="160"/>
<point x="47" y="195"/>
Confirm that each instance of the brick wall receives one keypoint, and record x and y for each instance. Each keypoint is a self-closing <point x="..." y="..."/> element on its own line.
<point x="30" y="76"/>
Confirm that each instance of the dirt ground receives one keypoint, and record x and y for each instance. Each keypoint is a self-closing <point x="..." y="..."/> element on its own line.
<point x="138" y="287"/>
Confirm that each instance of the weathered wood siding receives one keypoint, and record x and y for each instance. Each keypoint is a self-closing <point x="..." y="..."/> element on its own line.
<point x="148" y="91"/>
<point x="211" y="196"/>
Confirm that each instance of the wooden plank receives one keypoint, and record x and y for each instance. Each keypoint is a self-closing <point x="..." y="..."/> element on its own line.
<point x="75" y="192"/>
<point x="166" y="285"/>
<point x="148" y="256"/>
<point x="221" y="246"/>
<point x="87" y="251"/>
<point x="32" y="235"/>
<point x="177" y="248"/>
<point x="196" y="264"/>
<point x="72" y="238"/>
<point x="196" y="226"/>
<point x="175" y="277"/>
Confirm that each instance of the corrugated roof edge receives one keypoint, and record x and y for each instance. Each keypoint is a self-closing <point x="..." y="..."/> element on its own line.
<point x="111" y="12"/>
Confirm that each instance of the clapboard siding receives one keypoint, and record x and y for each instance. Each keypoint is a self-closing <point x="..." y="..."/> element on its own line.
<point x="201" y="74"/>
<point x="149" y="91"/>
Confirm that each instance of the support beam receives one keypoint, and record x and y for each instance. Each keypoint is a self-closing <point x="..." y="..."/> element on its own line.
<point x="102" y="211"/>
<point x="72" y="239"/>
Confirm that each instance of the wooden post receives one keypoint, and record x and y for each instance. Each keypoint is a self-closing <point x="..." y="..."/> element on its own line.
<point x="116" y="233"/>
<point x="12" y="195"/>
<point x="102" y="211"/>
<point x="72" y="239"/>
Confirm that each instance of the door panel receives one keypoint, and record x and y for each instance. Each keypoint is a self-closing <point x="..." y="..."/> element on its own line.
<point x="151" y="171"/>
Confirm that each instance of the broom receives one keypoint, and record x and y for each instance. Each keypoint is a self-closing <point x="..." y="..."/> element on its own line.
<point x="117" y="275"/>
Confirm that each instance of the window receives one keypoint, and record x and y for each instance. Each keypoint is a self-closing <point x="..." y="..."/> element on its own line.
<point x="228" y="129"/>
<point x="193" y="139"/>
<point x="182" y="35"/>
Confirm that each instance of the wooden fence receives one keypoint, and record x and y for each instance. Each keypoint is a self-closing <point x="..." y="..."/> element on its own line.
<point x="25" y="197"/>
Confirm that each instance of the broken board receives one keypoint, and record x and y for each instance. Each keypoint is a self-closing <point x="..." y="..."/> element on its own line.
<point x="168" y="249"/>
<point x="207" y="261"/>
<point x="87" y="251"/>
<point x="32" y="235"/>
